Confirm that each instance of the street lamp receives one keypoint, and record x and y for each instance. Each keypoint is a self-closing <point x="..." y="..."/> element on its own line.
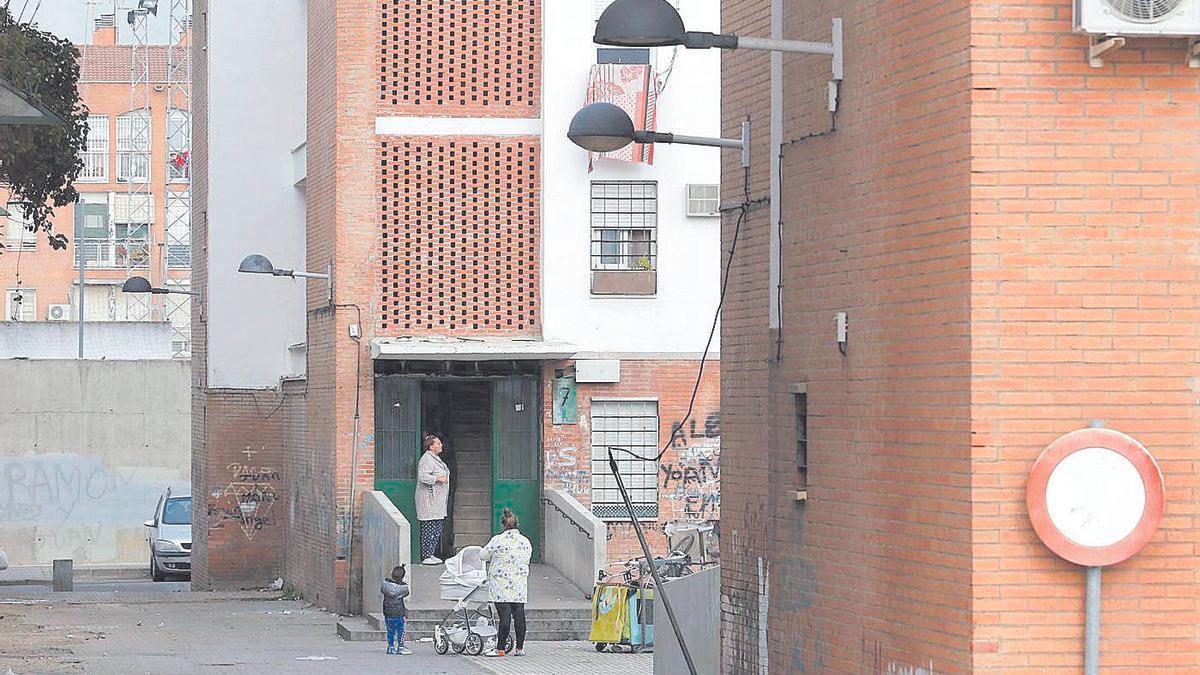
<point x="604" y="127"/>
<point x="142" y="285"/>
<point x="656" y="23"/>
<point x="260" y="264"/>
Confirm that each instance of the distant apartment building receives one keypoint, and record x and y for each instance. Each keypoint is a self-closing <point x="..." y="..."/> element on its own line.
<point x="491" y="282"/>
<point x="133" y="213"/>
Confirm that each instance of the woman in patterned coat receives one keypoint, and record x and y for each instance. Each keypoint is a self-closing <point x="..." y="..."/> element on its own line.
<point x="433" y="490"/>
<point x="508" y="556"/>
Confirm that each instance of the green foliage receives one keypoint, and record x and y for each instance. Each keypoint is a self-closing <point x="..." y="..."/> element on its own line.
<point x="39" y="164"/>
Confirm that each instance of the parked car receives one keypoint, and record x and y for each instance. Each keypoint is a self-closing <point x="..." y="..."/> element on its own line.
<point x="170" y="537"/>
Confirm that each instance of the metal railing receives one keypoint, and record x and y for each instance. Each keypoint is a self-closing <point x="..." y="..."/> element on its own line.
<point x="133" y="166"/>
<point x="568" y="518"/>
<point x="95" y="166"/>
<point x="113" y="253"/>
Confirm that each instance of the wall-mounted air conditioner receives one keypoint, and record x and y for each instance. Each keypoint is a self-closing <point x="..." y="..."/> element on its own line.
<point x="58" y="313"/>
<point x="1138" y="17"/>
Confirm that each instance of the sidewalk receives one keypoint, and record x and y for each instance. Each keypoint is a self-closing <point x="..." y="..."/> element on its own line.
<point x="23" y="575"/>
<point x="554" y="658"/>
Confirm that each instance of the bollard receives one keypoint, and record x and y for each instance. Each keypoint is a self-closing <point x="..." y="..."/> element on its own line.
<point x="64" y="574"/>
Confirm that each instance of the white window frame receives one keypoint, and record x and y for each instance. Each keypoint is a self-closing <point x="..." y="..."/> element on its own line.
<point x="179" y="139"/>
<point x="698" y="203"/>
<point x="623" y="215"/>
<point x="17" y="234"/>
<point x="618" y="426"/>
<point x="95" y="154"/>
<point x="28" y="305"/>
<point x="134" y="146"/>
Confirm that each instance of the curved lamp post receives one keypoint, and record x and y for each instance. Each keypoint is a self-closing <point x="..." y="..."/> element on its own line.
<point x="655" y="23"/>
<point x="260" y="264"/>
<point x="141" y="285"/>
<point x="604" y="127"/>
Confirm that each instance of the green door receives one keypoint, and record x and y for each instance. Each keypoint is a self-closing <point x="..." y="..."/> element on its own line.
<point x="516" y="453"/>
<point x="398" y="444"/>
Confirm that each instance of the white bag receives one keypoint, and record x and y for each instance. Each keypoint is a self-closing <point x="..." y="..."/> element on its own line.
<point x="3" y="560"/>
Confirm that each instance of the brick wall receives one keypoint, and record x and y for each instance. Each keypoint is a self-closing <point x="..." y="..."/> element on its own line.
<point x="1085" y="288"/>
<point x="689" y="486"/>
<point x="873" y="572"/>
<point x="459" y="251"/>
<point x="200" y="576"/>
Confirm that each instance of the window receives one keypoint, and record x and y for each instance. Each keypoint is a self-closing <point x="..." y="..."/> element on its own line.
<point x="632" y="425"/>
<point x="179" y="145"/>
<point x="18" y="231"/>
<point x="704" y="200"/>
<point x="132" y="215"/>
<point x="20" y="304"/>
<point x="179" y="314"/>
<point x="801" y="400"/>
<point x="624" y="225"/>
<point x="177" y="511"/>
<point x="179" y="230"/>
<point x="622" y="55"/>
<point x="95" y="156"/>
<point x="133" y="146"/>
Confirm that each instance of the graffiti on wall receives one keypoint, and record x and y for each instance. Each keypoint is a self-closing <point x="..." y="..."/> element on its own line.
<point x="562" y="467"/>
<point x="78" y="506"/>
<point x="690" y="482"/>
<point x="248" y="499"/>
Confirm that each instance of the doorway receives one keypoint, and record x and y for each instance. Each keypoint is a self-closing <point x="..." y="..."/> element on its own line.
<point x="491" y="430"/>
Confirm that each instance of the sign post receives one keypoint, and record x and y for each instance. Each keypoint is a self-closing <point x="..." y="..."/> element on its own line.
<point x="1095" y="498"/>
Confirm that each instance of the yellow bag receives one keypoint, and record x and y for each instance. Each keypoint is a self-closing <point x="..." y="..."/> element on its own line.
<point x="609" y="609"/>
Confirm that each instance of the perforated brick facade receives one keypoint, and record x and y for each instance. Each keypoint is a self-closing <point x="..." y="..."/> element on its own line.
<point x="472" y="58"/>
<point x="1007" y="229"/>
<point x="460" y="236"/>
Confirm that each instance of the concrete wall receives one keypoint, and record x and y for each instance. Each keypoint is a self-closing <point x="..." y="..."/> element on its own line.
<point x="696" y="600"/>
<point x="86" y="449"/>
<point x="386" y="542"/>
<point x="575" y="541"/>
<point x="678" y="317"/>
<point x="255" y="118"/>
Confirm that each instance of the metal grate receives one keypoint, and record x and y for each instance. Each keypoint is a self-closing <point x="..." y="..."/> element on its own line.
<point x="95" y="157"/>
<point x="1145" y="11"/>
<point x="624" y="225"/>
<point x="632" y="425"/>
<point x="18" y="230"/>
<point x="459" y="245"/>
<point x="133" y="146"/>
<point x="460" y="57"/>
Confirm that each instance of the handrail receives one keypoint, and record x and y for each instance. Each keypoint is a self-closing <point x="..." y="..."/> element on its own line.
<point x="568" y="517"/>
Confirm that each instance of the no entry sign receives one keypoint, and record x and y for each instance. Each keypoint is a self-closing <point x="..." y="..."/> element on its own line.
<point x="1095" y="497"/>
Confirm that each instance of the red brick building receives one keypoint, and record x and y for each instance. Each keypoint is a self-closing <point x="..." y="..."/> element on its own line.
<point x="1011" y="233"/>
<point x="116" y="235"/>
<point x="473" y="293"/>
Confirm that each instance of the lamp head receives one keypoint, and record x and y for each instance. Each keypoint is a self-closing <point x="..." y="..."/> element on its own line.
<point x="601" y="127"/>
<point x="640" y="23"/>
<point x="136" y="285"/>
<point x="256" y="264"/>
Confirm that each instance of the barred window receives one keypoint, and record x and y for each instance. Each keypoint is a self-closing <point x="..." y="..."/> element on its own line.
<point x="632" y="425"/>
<point x="624" y="225"/>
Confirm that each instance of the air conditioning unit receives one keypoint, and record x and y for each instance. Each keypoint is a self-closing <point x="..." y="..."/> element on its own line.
<point x="58" y="313"/>
<point x="1138" y="17"/>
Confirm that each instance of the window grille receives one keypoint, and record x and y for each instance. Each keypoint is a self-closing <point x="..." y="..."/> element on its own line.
<point x="624" y="217"/>
<point x="632" y="425"/>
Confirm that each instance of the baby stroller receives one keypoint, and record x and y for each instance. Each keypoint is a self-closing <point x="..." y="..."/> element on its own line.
<point x="471" y="626"/>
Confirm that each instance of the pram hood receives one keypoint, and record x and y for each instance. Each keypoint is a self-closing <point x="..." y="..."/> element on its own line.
<point x="465" y="569"/>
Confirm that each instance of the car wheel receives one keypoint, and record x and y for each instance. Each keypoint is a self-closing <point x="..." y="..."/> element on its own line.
<point x="156" y="573"/>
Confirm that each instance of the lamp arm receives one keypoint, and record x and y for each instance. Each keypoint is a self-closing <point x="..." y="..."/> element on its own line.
<point x="307" y="275"/>
<point x="835" y="47"/>
<point x="742" y="143"/>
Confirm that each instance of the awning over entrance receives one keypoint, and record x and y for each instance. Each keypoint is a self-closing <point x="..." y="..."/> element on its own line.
<point x="469" y="349"/>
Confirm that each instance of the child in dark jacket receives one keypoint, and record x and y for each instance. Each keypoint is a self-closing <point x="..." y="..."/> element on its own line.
<point x="394" y="591"/>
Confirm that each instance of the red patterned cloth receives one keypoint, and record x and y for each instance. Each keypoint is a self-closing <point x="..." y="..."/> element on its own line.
<point x="634" y="88"/>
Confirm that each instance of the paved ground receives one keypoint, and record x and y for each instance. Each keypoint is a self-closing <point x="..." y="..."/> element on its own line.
<point x="151" y="631"/>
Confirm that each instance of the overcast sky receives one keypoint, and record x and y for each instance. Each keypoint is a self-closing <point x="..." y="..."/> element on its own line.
<point x="73" y="19"/>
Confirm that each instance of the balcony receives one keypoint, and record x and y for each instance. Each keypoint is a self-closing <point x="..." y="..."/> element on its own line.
<point x="113" y="253"/>
<point x="133" y="167"/>
<point x="95" y="167"/>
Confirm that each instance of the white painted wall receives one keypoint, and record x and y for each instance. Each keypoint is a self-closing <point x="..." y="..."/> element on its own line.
<point x="86" y="449"/>
<point x="257" y="98"/>
<point x="678" y="318"/>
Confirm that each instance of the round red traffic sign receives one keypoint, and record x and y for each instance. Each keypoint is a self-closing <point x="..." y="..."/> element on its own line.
<point x="1095" y="497"/>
